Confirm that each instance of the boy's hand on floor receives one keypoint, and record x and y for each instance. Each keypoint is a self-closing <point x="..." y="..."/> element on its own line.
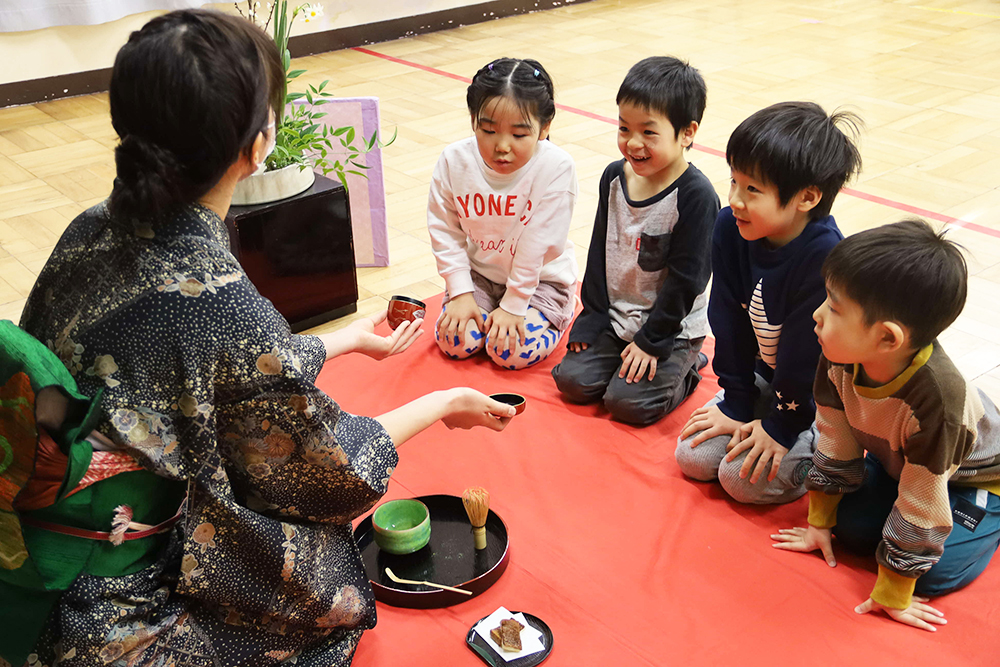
<point x="505" y="331"/>
<point x="711" y="422"/>
<point x="918" y="614"/>
<point x="763" y="448"/>
<point x="635" y="362"/>
<point x="577" y="347"/>
<point x="805" y="540"/>
<point x="457" y="314"/>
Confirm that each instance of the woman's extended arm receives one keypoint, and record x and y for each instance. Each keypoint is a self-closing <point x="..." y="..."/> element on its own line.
<point x="460" y="407"/>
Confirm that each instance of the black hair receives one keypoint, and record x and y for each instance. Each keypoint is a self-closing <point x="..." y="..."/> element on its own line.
<point x="189" y="93"/>
<point x="524" y="81"/>
<point x="795" y="145"/>
<point x="668" y="86"/>
<point x="903" y="272"/>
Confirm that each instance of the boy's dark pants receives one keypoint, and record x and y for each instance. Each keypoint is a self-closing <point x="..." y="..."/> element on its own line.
<point x="862" y="514"/>
<point x="592" y="375"/>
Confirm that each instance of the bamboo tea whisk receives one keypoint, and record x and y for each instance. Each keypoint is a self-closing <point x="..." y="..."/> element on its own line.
<point x="477" y="505"/>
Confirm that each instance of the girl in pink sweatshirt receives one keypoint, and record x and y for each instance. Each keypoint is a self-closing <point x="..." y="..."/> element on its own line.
<point x="499" y="213"/>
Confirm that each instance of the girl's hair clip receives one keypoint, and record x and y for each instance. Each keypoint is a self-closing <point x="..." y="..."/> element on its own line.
<point x="536" y="73"/>
<point x="490" y="67"/>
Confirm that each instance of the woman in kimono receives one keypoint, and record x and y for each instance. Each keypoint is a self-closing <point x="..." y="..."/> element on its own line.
<point x="205" y="386"/>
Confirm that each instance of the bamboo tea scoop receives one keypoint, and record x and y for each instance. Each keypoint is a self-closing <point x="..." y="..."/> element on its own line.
<point x="425" y="583"/>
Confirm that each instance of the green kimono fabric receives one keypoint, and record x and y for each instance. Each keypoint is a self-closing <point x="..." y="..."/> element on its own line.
<point x="30" y="581"/>
<point x="36" y="565"/>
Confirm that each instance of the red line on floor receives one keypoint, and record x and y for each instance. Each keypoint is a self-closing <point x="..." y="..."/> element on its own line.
<point x="400" y="61"/>
<point x="941" y="217"/>
<point x="957" y="222"/>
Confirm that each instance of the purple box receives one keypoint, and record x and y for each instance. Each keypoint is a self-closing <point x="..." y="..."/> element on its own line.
<point x="367" y="195"/>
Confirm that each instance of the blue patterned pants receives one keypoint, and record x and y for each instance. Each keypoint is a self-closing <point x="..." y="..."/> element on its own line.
<point x="541" y="340"/>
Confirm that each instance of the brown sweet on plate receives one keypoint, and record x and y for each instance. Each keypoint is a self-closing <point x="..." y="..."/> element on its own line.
<point x="510" y="635"/>
<point x="507" y="635"/>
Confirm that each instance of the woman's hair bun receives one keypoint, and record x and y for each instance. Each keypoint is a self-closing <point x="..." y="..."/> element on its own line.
<point x="150" y="178"/>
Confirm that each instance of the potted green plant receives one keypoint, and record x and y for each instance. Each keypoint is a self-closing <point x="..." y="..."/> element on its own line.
<point x="303" y="144"/>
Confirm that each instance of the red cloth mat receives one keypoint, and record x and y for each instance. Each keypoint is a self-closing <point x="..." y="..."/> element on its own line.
<point x="627" y="561"/>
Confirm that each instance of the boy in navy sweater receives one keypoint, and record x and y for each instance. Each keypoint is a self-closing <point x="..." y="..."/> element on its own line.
<point x="757" y="435"/>
<point x="636" y="345"/>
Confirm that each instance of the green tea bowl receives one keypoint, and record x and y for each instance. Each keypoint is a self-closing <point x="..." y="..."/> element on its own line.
<point x="402" y="526"/>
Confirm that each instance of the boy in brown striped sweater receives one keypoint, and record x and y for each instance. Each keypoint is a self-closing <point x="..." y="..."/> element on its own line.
<point x="924" y="499"/>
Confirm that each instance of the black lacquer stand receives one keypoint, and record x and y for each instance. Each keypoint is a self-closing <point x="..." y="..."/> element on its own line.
<point x="299" y="253"/>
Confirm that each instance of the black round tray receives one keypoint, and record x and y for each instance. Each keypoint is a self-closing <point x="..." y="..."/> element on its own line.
<point x="488" y="654"/>
<point x="450" y="558"/>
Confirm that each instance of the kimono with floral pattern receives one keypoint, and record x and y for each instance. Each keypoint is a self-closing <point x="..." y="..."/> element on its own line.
<point x="205" y="384"/>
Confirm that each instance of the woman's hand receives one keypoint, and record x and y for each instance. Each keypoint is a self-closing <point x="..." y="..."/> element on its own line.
<point x="359" y="336"/>
<point x="460" y="407"/>
<point x="468" y="408"/>
<point x="577" y="347"/>
<point x="379" y="347"/>
<point x="458" y="313"/>
<point x="506" y="331"/>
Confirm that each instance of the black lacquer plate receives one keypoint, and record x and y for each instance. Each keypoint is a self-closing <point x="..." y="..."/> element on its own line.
<point x="449" y="558"/>
<point x="488" y="654"/>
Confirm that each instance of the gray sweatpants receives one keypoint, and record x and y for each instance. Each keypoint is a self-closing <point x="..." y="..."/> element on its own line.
<point x="706" y="462"/>
<point x="592" y="375"/>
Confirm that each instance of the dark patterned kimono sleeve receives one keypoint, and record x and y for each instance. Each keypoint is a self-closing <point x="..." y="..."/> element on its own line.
<point x="289" y="450"/>
<point x="311" y="353"/>
<point x="292" y="452"/>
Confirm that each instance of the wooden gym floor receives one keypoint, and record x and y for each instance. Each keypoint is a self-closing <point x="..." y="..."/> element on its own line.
<point x="923" y="75"/>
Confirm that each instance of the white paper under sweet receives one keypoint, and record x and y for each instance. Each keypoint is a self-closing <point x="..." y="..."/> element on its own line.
<point x="531" y="639"/>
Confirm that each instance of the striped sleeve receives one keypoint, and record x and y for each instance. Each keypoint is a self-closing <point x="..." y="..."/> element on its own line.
<point x="920" y="521"/>
<point x="938" y="440"/>
<point x="838" y="464"/>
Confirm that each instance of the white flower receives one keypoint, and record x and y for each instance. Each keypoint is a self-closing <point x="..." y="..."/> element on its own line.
<point x="313" y="11"/>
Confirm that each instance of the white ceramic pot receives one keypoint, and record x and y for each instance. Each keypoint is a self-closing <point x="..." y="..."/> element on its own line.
<point x="273" y="185"/>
